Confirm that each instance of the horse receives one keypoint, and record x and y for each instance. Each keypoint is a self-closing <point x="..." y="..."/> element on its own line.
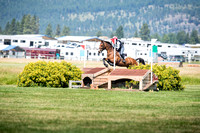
<point x="105" y="45"/>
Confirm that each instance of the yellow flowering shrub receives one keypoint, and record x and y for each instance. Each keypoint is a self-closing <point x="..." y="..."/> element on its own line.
<point x="48" y="74"/>
<point x="169" y="78"/>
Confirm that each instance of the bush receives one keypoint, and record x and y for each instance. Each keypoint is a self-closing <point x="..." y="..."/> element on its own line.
<point x="48" y="74"/>
<point x="169" y="78"/>
<point x="132" y="84"/>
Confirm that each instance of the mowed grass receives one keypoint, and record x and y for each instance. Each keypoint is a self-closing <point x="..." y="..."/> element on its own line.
<point x="81" y="110"/>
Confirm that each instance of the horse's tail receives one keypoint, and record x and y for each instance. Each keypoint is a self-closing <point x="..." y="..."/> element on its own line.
<point x="141" y="61"/>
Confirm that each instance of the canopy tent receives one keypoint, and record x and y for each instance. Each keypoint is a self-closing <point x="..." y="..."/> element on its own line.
<point x="13" y="48"/>
<point x="12" y="51"/>
<point x="3" y="47"/>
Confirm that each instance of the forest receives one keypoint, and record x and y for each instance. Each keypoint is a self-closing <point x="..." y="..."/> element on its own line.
<point x="91" y="16"/>
<point x="30" y="25"/>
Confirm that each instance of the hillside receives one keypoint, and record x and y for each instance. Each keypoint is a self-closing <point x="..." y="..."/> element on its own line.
<point x="90" y="16"/>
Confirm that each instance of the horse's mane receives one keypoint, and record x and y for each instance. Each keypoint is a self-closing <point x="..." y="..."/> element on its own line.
<point x="108" y="43"/>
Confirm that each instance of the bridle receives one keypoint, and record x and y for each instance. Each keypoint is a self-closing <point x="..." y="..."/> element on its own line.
<point x="102" y="47"/>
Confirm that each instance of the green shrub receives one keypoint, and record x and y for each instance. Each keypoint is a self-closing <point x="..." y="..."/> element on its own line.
<point x="48" y="74"/>
<point x="169" y="78"/>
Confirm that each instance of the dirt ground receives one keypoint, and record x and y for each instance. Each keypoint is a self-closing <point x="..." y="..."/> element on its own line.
<point x="189" y="71"/>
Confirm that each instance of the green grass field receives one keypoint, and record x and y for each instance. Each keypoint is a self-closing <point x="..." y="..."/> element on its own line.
<point x="79" y="110"/>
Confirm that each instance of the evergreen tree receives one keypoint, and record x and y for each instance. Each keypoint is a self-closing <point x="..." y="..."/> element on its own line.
<point x="181" y="37"/>
<point x="145" y="32"/>
<point x="13" y="27"/>
<point x="99" y="34"/>
<point x="18" y="28"/>
<point x="7" y="30"/>
<point x="58" y="30"/>
<point x="172" y="38"/>
<point x="34" y="25"/>
<point x="65" y="31"/>
<point x="27" y="28"/>
<point x="192" y="40"/>
<point x="49" y="31"/>
<point x="165" y="38"/>
<point x="28" y="25"/>
<point x="120" y="32"/>
<point x="136" y="34"/>
<point x="194" y="37"/>
<point x="187" y="39"/>
<point x="37" y="29"/>
<point x="156" y="36"/>
<point x="1" y="32"/>
<point x="21" y="28"/>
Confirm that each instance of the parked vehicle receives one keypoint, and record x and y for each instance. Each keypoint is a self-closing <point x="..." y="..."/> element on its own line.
<point x="44" y="53"/>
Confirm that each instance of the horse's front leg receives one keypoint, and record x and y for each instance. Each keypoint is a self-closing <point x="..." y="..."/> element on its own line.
<point x="106" y="65"/>
<point x="110" y="62"/>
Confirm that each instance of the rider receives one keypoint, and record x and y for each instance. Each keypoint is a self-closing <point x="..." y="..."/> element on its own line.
<point x="119" y="46"/>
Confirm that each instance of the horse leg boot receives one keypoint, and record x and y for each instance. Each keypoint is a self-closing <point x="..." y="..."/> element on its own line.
<point x="106" y="65"/>
<point x="110" y="63"/>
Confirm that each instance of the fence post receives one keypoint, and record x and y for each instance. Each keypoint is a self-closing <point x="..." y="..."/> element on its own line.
<point x="70" y="83"/>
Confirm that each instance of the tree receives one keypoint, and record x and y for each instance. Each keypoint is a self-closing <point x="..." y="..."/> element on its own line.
<point x="18" y="28"/>
<point x="120" y="32"/>
<point x="34" y="25"/>
<point x="58" y="31"/>
<point x="21" y="28"/>
<point x="27" y="27"/>
<point x="7" y="30"/>
<point x="165" y="38"/>
<point x="65" y="31"/>
<point x="187" y="39"/>
<point x="99" y="34"/>
<point x="1" y="32"/>
<point x="136" y="34"/>
<point x="172" y="38"/>
<point x="145" y="32"/>
<point x="194" y="39"/>
<point x="156" y="36"/>
<point x="181" y="37"/>
<point x="13" y="28"/>
<point x="49" y="31"/>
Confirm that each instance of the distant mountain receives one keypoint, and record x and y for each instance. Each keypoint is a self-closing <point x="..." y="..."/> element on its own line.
<point x="87" y="17"/>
